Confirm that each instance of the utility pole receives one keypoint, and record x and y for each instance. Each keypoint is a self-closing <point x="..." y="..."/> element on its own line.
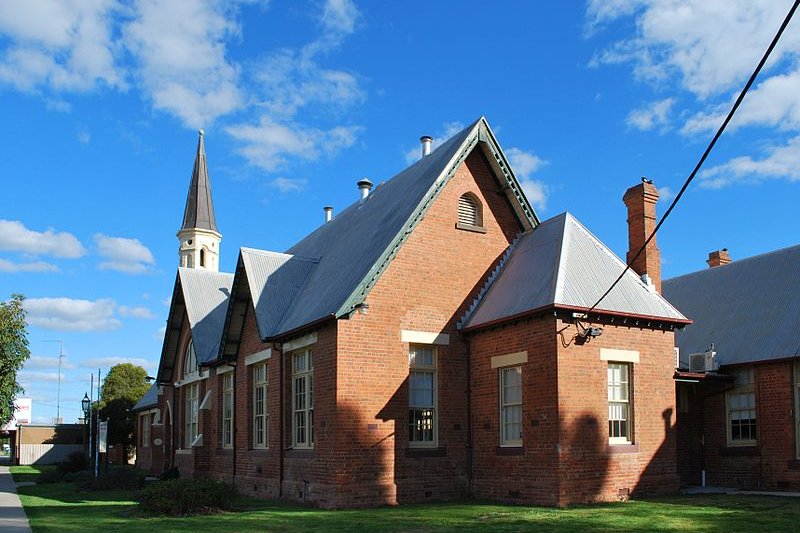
<point x="60" y="364"/>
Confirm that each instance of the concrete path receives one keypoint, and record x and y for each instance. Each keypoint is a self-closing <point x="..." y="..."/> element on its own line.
<point x="12" y="518"/>
<point x="726" y="490"/>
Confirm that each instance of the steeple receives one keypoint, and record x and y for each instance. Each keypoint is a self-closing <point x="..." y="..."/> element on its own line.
<point x="198" y="236"/>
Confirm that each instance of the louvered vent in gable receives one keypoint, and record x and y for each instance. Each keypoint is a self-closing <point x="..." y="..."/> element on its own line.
<point x="469" y="212"/>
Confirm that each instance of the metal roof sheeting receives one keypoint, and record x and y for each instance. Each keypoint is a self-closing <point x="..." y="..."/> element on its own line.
<point x="150" y="399"/>
<point x="561" y="263"/>
<point x="199" y="212"/>
<point x="206" y="295"/>
<point x="749" y="309"/>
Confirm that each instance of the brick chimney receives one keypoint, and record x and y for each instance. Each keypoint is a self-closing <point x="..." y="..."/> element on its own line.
<point x="641" y="202"/>
<point x="718" y="258"/>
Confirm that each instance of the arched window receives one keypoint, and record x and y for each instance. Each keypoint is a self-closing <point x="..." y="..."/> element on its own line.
<point x="202" y="257"/>
<point x="190" y="360"/>
<point x="469" y="211"/>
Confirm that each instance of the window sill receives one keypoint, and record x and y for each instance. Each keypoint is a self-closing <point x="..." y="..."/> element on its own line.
<point x="183" y="451"/>
<point x="740" y="450"/>
<point x="300" y="453"/>
<point x="623" y="448"/>
<point x="426" y="452"/>
<point x="470" y="227"/>
<point x="509" y="450"/>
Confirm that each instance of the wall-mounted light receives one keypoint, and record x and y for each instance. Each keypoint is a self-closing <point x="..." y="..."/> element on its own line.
<point x="362" y="308"/>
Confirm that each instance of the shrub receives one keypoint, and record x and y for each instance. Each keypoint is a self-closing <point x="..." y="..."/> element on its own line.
<point x="51" y="476"/>
<point x="172" y="473"/>
<point x="180" y="497"/>
<point x="83" y="476"/>
<point x="116" y="479"/>
<point x="75" y="462"/>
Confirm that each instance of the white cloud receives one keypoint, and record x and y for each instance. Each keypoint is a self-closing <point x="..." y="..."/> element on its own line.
<point x="665" y="194"/>
<point x="136" y="312"/>
<point x="268" y="144"/>
<point x="124" y="255"/>
<point x="105" y="363"/>
<point x="59" y="45"/>
<point x="159" y="334"/>
<point x="84" y="137"/>
<point x="447" y="130"/>
<point x="710" y="45"/>
<point x="652" y="115"/>
<point x="34" y="266"/>
<point x="180" y="50"/>
<point x="41" y="362"/>
<point x="286" y="185"/>
<point x="15" y="237"/>
<point x="779" y="162"/>
<point x="48" y="377"/>
<point x="67" y="314"/>
<point x="524" y="164"/>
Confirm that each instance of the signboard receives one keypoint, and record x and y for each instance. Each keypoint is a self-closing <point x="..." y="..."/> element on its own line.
<point x="22" y="414"/>
<point x="102" y="436"/>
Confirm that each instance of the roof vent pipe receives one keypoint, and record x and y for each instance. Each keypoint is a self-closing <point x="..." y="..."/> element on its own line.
<point x="328" y="213"/>
<point x="426" y="145"/>
<point x="364" y="186"/>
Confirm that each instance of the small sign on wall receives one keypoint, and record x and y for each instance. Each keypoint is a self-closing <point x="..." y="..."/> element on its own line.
<point x="102" y="436"/>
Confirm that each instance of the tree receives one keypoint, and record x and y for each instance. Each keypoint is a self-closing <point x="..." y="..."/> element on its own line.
<point x="123" y="386"/>
<point x="13" y="352"/>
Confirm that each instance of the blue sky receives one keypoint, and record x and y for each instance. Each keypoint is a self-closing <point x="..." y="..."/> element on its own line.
<point x="299" y="100"/>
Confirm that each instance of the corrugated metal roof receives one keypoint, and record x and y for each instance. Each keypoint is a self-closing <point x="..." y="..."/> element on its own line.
<point x="749" y="309"/>
<point x="206" y="295"/>
<point x="274" y="280"/>
<point x="561" y="263"/>
<point x="150" y="399"/>
<point x="199" y="212"/>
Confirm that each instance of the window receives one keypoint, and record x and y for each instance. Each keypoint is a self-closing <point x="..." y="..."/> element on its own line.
<point x="260" y="406"/>
<point x="202" y="257"/>
<point x="469" y="211"/>
<point x="190" y="261"/>
<point x="422" y="396"/>
<point x="303" y="398"/>
<point x="190" y="414"/>
<point x="741" y="406"/>
<point x="227" y="410"/>
<point x="146" y="421"/>
<point x="619" y="403"/>
<point x="189" y="360"/>
<point x="511" y="406"/>
<point x="797" y="405"/>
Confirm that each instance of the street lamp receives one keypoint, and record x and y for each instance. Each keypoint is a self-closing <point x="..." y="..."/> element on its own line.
<point x="85" y="405"/>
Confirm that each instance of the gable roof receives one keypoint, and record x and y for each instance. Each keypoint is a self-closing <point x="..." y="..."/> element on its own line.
<point x="561" y="264"/>
<point x="749" y="309"/>
<point x="199" y="212"/>
<point x="333" y="269"/>
<point x="150" y="399"/>
<point x="202" y="297"/>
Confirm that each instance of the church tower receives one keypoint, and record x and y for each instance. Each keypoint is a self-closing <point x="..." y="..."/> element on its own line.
<point x="199" y="238"/>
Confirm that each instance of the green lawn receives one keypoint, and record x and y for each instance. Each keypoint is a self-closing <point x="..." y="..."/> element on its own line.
<point x="62" y="507"/>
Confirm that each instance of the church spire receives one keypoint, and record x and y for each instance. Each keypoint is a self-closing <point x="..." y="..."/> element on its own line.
<point x="198" y="236"/>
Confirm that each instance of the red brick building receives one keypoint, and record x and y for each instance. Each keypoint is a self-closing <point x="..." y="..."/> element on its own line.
<point x="739" y="382"/>
<point x="432" y="341"/>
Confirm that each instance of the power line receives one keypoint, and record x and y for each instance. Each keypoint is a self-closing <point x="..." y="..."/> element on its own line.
<point x="702" y="160"/>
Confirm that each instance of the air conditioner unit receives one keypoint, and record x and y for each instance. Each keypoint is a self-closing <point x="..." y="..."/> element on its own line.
<point x="702" y="362"/>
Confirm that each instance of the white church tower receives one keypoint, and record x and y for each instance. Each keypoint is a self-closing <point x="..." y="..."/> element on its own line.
<point x="198" y="236"/>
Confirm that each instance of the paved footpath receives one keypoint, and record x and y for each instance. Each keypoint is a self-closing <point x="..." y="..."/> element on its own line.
<point x="12" y="518"/>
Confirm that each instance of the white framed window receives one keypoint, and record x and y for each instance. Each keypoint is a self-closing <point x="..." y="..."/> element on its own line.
<point x="511" y="406"/>
<point x="797" y="405"/>
<point x="146" y="420"/>
<point x="620" y="413"/>
<point x="469" y="211"/>
<point x="260" y="406"/>
<point x="227" y="410"/>
<point x="191" y="402"/>
<point x="303" y="398"/>
<point x="189" y="360"/>
<point x="422" y="396"/>
<point x="740" y="404"/>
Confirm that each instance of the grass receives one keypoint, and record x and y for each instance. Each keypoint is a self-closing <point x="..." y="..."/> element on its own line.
<point x="62" y="507"/>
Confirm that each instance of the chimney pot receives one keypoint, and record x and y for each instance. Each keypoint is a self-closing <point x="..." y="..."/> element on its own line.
<point x="641" y="203"/>
<point x="328" y="213"/>
<point x="364" y="186"/>
<point x="426" y="141"/>
<point x="718" y="258"/>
